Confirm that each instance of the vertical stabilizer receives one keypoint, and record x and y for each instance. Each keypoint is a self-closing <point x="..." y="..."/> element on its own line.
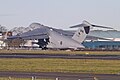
<point x="81" y="34"/>
<point x="83" y="30"/>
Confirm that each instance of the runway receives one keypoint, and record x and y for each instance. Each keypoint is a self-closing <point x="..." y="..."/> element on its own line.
<point x="61" y="76"/>
<point x="61" y="56"/>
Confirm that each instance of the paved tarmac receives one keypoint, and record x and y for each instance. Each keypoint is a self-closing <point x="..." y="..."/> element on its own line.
<point x="61" y="76"/>
<point x="61" y="56"/>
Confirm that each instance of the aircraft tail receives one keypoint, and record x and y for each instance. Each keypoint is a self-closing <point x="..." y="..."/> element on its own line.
<point x="83" y="30"/>
<point x="81" y="34"/>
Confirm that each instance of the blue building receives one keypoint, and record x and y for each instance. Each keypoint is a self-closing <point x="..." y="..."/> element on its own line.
<point x="102" y="45"/>
<point x="96" y="43"/>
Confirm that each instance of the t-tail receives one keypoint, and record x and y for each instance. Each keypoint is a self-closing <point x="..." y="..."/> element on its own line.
<point x="84" y="30"/>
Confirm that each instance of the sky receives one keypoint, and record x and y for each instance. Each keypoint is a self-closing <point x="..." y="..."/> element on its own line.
<point x="59" y="13"/>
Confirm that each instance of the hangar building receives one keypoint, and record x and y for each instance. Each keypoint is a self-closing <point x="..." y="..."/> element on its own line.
<point x="104" y="40"/>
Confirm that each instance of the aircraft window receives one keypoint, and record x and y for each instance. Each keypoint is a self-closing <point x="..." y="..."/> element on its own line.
<point x="60" y="42"/>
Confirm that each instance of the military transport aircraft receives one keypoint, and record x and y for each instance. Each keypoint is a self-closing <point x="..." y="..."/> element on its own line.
<point x="49" y="37"/>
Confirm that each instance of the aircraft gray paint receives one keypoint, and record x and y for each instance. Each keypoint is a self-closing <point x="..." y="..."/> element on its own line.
<point x="56" y="38"/>
<point x="60" y="41"/>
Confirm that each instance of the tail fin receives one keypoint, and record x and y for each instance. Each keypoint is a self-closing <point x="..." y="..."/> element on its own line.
<point x="83" y="30"/>
<point x="81" y="34"/>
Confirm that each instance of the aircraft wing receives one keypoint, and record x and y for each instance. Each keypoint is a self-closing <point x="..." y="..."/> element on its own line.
<point x="39" y="33"/>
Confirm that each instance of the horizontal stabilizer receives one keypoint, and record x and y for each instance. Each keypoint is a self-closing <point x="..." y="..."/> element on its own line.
<point x="85" y="23"/>
<point x="79" y="25"/>
<point x="101" y="26"/>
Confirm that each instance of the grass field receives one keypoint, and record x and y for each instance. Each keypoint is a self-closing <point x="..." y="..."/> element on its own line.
<point x="61" y="65"/>
<point x="61" y="52"/>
